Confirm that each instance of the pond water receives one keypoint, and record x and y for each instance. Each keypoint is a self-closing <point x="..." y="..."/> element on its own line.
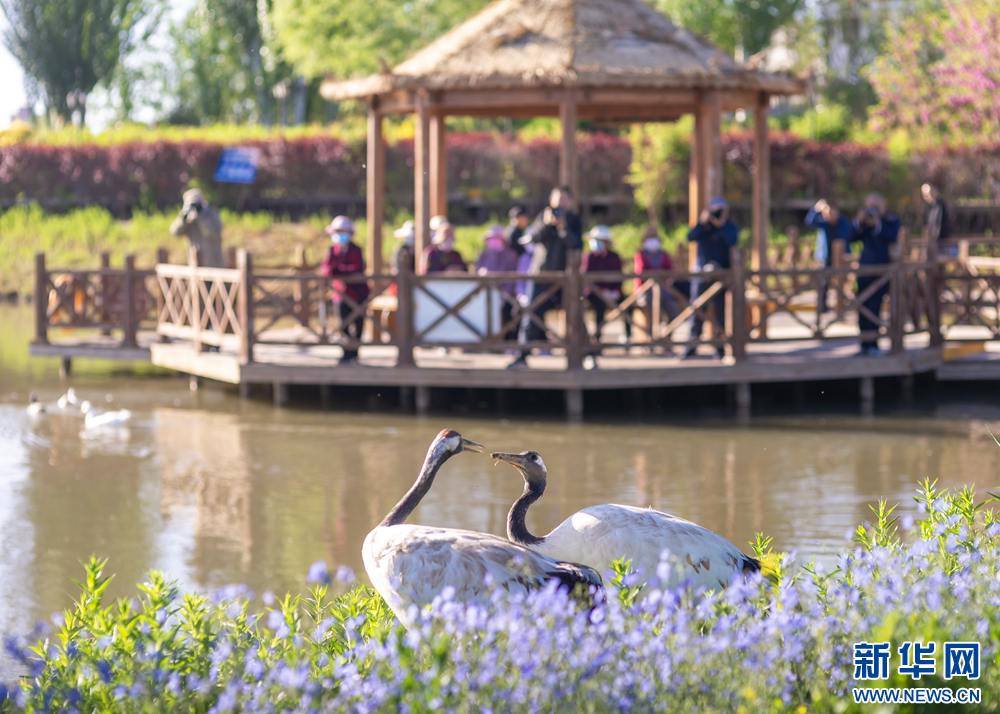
<point x="214" y="489"/>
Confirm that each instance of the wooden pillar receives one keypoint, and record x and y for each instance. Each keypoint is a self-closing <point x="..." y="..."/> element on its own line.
<point x="574" y="404"/>
<point x="105" y="283"/>
<point x="761" y="185"/>
<point x="697" y="198"/>
<point x="711" y="140"/>
<point x="439" y="165"/>
<point x="423" y="399"/>
<point x="422" y="178"/>
<point x="280" y="394"/>
<point x="569" y="172"/>
<point x="744" y="400"/>
<point x="41" y="300"/>
<point x="867" y="390"/>
<point x="244" y="263"/>
<point x="376" y="188"/>
<point x="130" y="320"/>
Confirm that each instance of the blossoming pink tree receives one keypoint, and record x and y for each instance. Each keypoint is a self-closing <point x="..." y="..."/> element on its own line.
<point x="940" y="78"/>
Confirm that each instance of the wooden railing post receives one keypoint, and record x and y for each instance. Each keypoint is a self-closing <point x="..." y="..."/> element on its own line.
<point x="104" y="315"/>
<point x="244" y="263"/>
<point x="897" y="307"/>
<point x="162" y="255"/>
<point x="194" y="295"/>
<point x="404" y="315"/>
<point x="572" y="295"/>
<point x="130" y="318"/>
<point x="41" y="301"/>
<point x="736" y="314"/>
<point x="934" y="289"/>
<point x="162" y="258"/>
<point x="839" y="281"/>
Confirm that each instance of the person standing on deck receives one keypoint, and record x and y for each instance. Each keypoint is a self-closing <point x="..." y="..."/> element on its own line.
<point x="201" y="225"/>
<point x="519" y="222"/>
<point x="937" y="221"/>
<point x="345" y="257"/>
<point x="441" y="256"/>
<point x="499" y="257"/>
<point x="651" y="258"/>
<point x="560" y="232"/>
<point x="715" y="235"/>
<point x="830" y="225"/>
<point x="876" y="230"/>
<point x="601" y="259"/>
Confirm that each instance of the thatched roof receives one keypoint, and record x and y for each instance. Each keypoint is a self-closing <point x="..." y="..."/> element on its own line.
<point x="515" y="44"/>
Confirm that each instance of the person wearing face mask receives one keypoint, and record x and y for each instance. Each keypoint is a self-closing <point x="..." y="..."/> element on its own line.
<point x="601" y="259"/>
<point x="714" y="235"/>
<point x="344" y="257"/>
<point x="876" y="230"/>
<point x="498" y="257"/>
<point x="652" y="257"/>
<point x="441" y="256"/>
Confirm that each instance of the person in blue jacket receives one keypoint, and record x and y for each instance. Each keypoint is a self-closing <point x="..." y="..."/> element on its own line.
<point x="715" y="235"/>
<point x="830" y="225"/>
<point x="876" y="230"/>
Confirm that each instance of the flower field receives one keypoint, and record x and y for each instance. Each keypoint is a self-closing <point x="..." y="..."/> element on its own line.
<point x="780" y="643"/>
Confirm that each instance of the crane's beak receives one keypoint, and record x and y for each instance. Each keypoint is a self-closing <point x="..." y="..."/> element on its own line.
<point x="514" y="459"/>
<point x="472" y="446"/>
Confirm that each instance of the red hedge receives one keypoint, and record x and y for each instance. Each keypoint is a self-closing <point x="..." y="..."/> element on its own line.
<point x="155" y="175"/>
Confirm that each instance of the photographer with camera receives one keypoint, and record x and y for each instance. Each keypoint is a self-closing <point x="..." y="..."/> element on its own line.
<point x="714" y="235"/>
<point x="201" y="225"/>
<point x="876" y="230"/>
<point x="559" y="232"/>
<point x="830" y="225"/>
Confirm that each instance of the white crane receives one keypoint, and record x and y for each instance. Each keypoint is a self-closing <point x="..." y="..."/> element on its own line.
<point x="69" y="401"/>
<point x="412" y="564"/>
<point x="598" y="535"/>
<point x="93" y="420"/>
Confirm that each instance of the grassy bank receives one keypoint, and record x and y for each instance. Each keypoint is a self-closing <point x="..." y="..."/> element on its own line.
<point x="782" y="644"/>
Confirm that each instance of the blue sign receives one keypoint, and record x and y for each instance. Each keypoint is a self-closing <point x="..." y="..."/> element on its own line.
<point x="238" y="165"/>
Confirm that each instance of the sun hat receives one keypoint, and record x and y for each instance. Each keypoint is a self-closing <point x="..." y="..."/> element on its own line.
<point x="440" y="232"/>
<point x="600" y="232"/>
<point x="407" y="230"/>
<point x="340" y="224"/>
<point x="494" y="231"/>
<point x="193" y="196"/>
<point x="436" y="222"/>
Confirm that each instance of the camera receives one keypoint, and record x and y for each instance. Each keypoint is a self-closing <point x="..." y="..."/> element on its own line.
<point x="557" y="212"/>
<point x="871" y="215"/>
<point x="717" y="213"/>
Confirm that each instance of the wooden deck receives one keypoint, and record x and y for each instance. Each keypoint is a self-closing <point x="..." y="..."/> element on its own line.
<point x="247" y="327"/>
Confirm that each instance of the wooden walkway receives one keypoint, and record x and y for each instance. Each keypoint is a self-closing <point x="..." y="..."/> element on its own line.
<point x="280" y="328"/>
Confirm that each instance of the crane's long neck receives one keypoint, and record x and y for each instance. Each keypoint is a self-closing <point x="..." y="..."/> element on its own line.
<point x="516" y="530"/>
<point x="418" y="490"/>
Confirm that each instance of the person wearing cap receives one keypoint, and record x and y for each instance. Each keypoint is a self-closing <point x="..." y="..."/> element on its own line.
<point x="651" y="257"/>
<point x="498" y="257"/>
<point x="345" y="257"/>
<point x="714" y="235"/>
<point x="441" y="256"/>
<point x="830" y="225"/>
<point x="876" y="230"/>
<point x="601" y="259"/>
<point x="559" y="232"/>
<point x="201" y="225"/>
<point x="519" y="222"/>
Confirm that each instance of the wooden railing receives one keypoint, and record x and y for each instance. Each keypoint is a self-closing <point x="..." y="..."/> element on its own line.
<point x="106" y="299"/>
<point x="235" y="309"/>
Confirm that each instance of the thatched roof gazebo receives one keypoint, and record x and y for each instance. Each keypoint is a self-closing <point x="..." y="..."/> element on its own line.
<point x="613" y="60"/>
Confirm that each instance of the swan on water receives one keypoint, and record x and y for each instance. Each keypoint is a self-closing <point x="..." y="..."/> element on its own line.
<point x="35" y="407"/>
<point x="598" y="535"/>
<point x="411" y="564"/>
<point x="69" y="401"/>
<point x="93" y="420"/>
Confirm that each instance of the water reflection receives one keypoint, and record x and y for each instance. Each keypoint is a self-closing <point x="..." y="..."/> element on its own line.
<point x="216" y="490"/>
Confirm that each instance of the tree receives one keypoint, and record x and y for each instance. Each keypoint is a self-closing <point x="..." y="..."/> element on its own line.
<point x="941" y="75"/>
<point x="69" y="46"/>
<point x="229" y="63"/>
<point x="352" y="37"/>
<point x="732" y="25"/>
<point x="661" y="155"/>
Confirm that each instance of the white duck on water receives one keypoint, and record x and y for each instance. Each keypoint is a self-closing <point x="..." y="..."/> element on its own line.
<point x="411" y="564"/>
<point x="598" y="535"/>
<point x="93" y="420"/>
